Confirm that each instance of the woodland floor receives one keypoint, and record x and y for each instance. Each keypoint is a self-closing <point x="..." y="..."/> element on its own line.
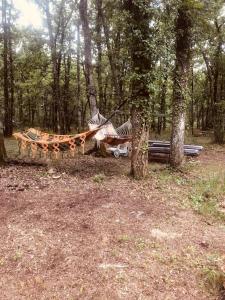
<point x="88" y="231"/>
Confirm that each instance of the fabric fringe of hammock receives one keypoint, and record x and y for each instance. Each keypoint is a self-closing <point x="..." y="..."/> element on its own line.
<point x="33" y="141"/>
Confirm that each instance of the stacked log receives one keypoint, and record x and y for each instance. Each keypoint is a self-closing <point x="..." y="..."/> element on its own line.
<point x="160" y="150"/>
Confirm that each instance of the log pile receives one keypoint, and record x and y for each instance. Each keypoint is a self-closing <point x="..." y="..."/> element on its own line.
<point x="160" y="150"/>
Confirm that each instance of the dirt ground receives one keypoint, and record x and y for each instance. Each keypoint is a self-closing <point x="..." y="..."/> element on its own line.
<point x="85" y="230"/>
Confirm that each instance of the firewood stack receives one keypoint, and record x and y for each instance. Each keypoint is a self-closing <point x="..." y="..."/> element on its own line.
<point x="160" y="150"/>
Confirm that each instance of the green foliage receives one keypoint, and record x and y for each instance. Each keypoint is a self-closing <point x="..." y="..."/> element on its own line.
<point x="150" y="41"/>
<point x="99" y="178"/>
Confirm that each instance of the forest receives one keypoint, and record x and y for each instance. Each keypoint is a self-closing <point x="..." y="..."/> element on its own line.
<point x="112" y="131"/>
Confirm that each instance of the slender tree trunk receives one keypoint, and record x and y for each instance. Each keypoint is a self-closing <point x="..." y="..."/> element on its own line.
<point x="7" y="69"/>
<point x="115" y="83"/>
<point x="218" y="103"/>
<point x="210" y="75"/>
<point x="162" y="117"/>
<point x="55" y="80"/>
<point x="66" y="92"/>
<point x="2" y="145"/>
<point x="99" y="48"/>
<point x="56" y="42"/>
<point x="11" y="76"/>
<point x="192" y="120"/>
<point x="91" y="91"/>
<point x="78" y="80"/>
<point x="183" y="59"/>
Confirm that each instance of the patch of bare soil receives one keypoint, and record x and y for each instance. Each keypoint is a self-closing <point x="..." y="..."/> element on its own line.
<point x="85" y="230"/>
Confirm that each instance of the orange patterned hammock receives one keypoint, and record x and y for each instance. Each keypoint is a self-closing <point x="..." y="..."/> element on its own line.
<point x="32" y="141"/>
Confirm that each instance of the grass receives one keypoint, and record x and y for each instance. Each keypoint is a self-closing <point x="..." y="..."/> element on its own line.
<point x="206" y="193"/>
<point x="124" y="239"/>
<point x="99" y="178"/>
<point x="214" y="279"/>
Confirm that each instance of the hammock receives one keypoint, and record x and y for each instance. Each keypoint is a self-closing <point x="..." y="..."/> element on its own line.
<point x="108" y="134"/>
<point x="33" y="140"/>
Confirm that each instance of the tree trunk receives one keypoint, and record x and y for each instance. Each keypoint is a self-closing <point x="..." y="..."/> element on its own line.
<point x="99" y="48"/>
<point x="11" y="78"/>
<point x="140" y="137"/>
<point x="91" y="91"/>
<point x="7" y="70"/>
<point x="2" y="145"/>
<point x="115" y="83"/>
<point x="138" y="21"/>
<point x="66" y="92"/>
<point x="56" y="44"/>
<point x="180" y="87"/>
<point x="78" y="81"/>
<point x="218" y="121"/>
<point x="162" y="117"/>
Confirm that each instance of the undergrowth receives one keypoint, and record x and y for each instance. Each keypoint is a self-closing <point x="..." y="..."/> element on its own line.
<point x="213" y="274"/>
<point x="206" y="194"/>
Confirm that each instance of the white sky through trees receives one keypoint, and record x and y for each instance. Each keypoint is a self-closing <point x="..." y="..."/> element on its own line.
<point x="29" y="13"/>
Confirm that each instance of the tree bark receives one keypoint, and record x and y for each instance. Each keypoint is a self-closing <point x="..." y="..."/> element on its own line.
<point x="162" y="117"/>
<point x="91" y="91"/>
<point x="180" y="87"/>
<point x="219" y="116"/>
<point x="140" y="137"/>
<point x="138" y="21"/>
<point x="115" y="81"/>
<point x="8" y="79"/>
<point x="78" y="80"/>
<point x="3" y="155"/>
<point x="99" y="48"/>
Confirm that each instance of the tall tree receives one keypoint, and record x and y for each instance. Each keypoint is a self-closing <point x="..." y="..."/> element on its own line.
<point x="58" y="15"/>
<point x="218" y="99"/>
<point x="91" y="90"/>
<point x="180" y="86"/>
<point x="141" y="63"/>
<point x="98" y="4"/>
<point x="8" y="81"/>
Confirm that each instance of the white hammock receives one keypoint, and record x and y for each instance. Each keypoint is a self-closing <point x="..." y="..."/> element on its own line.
<point x="108" y="131"/>
<point x="125" y="129"/>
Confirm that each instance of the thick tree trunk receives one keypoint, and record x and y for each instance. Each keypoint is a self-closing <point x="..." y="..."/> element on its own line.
<point x="139" y="156"/>
<point x="138" y="20"/>
<point x="91" y="91"/>
<point x="183" y="59"/>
